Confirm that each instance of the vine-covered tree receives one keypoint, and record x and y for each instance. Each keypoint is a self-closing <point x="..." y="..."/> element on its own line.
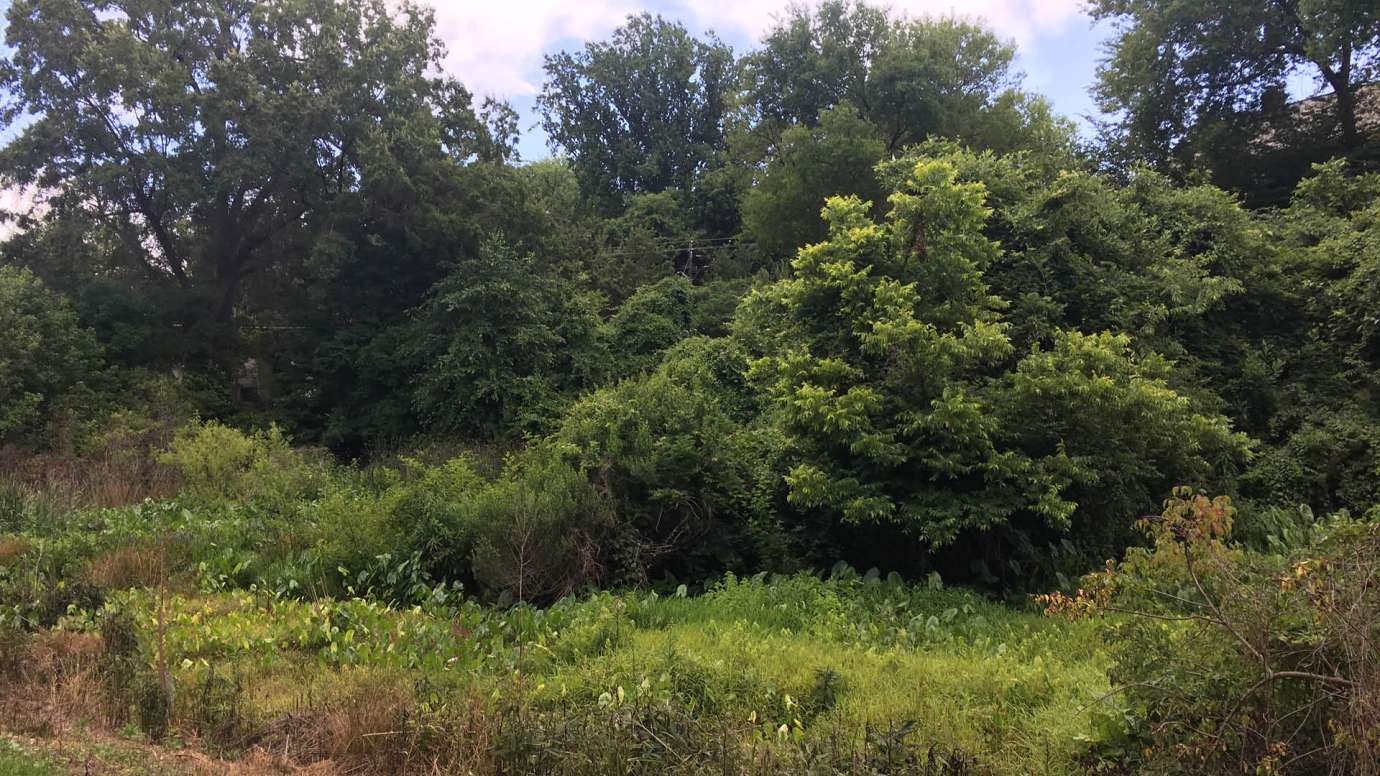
<point x="911" y="78"/>
<point x="890" y="371"/>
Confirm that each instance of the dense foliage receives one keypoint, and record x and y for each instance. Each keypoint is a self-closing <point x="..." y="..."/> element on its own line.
<point x="303" y="373"/>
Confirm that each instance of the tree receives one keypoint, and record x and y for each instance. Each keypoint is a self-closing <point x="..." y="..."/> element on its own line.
<point x="873" y="353"/>
<point x="887" y="367"/>
<point x="640" y="113"/>
<point x="911" y="78"/>
<point x="210" y="142"/>
<point x="653" y="319"/>
<point x="498" y="346"/>
<point x="47" y="360"/>
<point x="835" y="157"/>
<point x="1324" y="437"/>
<point x="1173" y="67"/>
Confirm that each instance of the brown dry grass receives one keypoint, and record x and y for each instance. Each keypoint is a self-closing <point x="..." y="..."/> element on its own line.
<point x="374" y="727"/>
<point x="368" y="725"/>
<point x="11" y="547"/>
<point x="144" y="564"/>
<point x="57" y="683"/>
<point x="102" y="754"/>
<point x="103" y="478"/>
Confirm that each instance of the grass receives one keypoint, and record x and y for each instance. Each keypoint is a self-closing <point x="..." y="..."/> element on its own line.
<point x="847" y="674"/>
<point x="797" y="659"/>
<point x="15" y="760"/>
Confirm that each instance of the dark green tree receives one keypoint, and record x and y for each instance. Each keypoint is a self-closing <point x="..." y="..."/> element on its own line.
<point x="640" y="113"/>
<point x="48" y="362"/>
<point x="1178" y="71"/>
<point x="212" y="143"/>
<point x="499" y="347"/>
<point x="835" y="157"/>
<point x="911" y="78"/>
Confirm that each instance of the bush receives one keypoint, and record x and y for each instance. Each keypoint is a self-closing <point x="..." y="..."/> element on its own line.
<point x="220" y="463"/>
<point x="1232" y="661"/>
<point x="47" y="363"/>
<point x="539" y="529"/>
<point x="535" y="532"/>
<point x="693" y="481"/>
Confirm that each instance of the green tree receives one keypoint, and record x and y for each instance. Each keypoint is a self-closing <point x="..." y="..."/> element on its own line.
<point x="835" y="157"/>
<point x="645" y="243"/>
<point x="1092" y="413"/>
<point x="692" y="473"/>
<point x="640" y="113"/>
<point x="873" y="353"/>
<point x="211" y="142"/>
<point x="1324" y="437"/>
<point x="48" y="362"/>
<point x="1174" y="68"/>
<point x="498" y="346"/>
<point x="911" y="78"/>
<point x="653" y="319"/>
<point x="890" y="372"/>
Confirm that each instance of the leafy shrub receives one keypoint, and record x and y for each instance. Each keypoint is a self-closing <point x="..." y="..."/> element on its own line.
<point x="1234" y="661"/>
<point x="1329" y="462"/>
<point x="221" y="463"/>
<point x="428" y="518"/>
<point x="693" y="482"/>
<point x="48" y="362"/>
<point x="539" y="529"/>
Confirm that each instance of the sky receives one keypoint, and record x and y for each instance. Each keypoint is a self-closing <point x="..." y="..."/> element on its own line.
<point x="496" y="46"/>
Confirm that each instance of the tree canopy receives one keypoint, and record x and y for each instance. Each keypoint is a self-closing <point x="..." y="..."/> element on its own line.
<point x="855" y="294"/>
<point x="1212" y="79"/>
<point x="642" y="112"/>
<point x="203" y="146"/>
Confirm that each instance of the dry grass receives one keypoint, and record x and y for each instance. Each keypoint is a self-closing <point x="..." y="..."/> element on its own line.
<point x="57" y="684"/>
<point x="11" y="547"/>
<point x="370" y="724"/>
<point x="144" y="564"/>
<point x="103" y="478"/>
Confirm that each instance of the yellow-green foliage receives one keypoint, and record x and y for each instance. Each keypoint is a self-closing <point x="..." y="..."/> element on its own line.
<point x="223" y="463"/>
<point x="783" y="663"/>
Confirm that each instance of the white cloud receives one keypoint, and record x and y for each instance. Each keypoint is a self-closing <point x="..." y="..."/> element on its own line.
<point x="496" y="45"/>
<point x="1019" y="19"/>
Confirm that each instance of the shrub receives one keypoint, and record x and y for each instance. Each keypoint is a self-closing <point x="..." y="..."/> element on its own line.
<point x="47" y="362"/>
<point x="221" y="463"/>
<point x="1235" y="661"/>
<point x="539" y="529"/>
<point x="692" y="481"/>
<point x="427" y="514"/>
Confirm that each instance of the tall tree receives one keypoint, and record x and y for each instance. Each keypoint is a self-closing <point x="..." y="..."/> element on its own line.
<point x="835" y="157"/>
<point x="642" y="112"/>
<point x="210" y="140"/>
<point x="911" y="78"/>
<point x="1173" y="66"/>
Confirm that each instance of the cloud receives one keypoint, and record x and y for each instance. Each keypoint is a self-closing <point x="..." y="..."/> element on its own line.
<point x="1020" y="19"/>
<point x="496" y="46"/>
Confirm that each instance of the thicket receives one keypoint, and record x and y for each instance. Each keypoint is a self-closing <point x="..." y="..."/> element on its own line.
<point x="299" y="322"/>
